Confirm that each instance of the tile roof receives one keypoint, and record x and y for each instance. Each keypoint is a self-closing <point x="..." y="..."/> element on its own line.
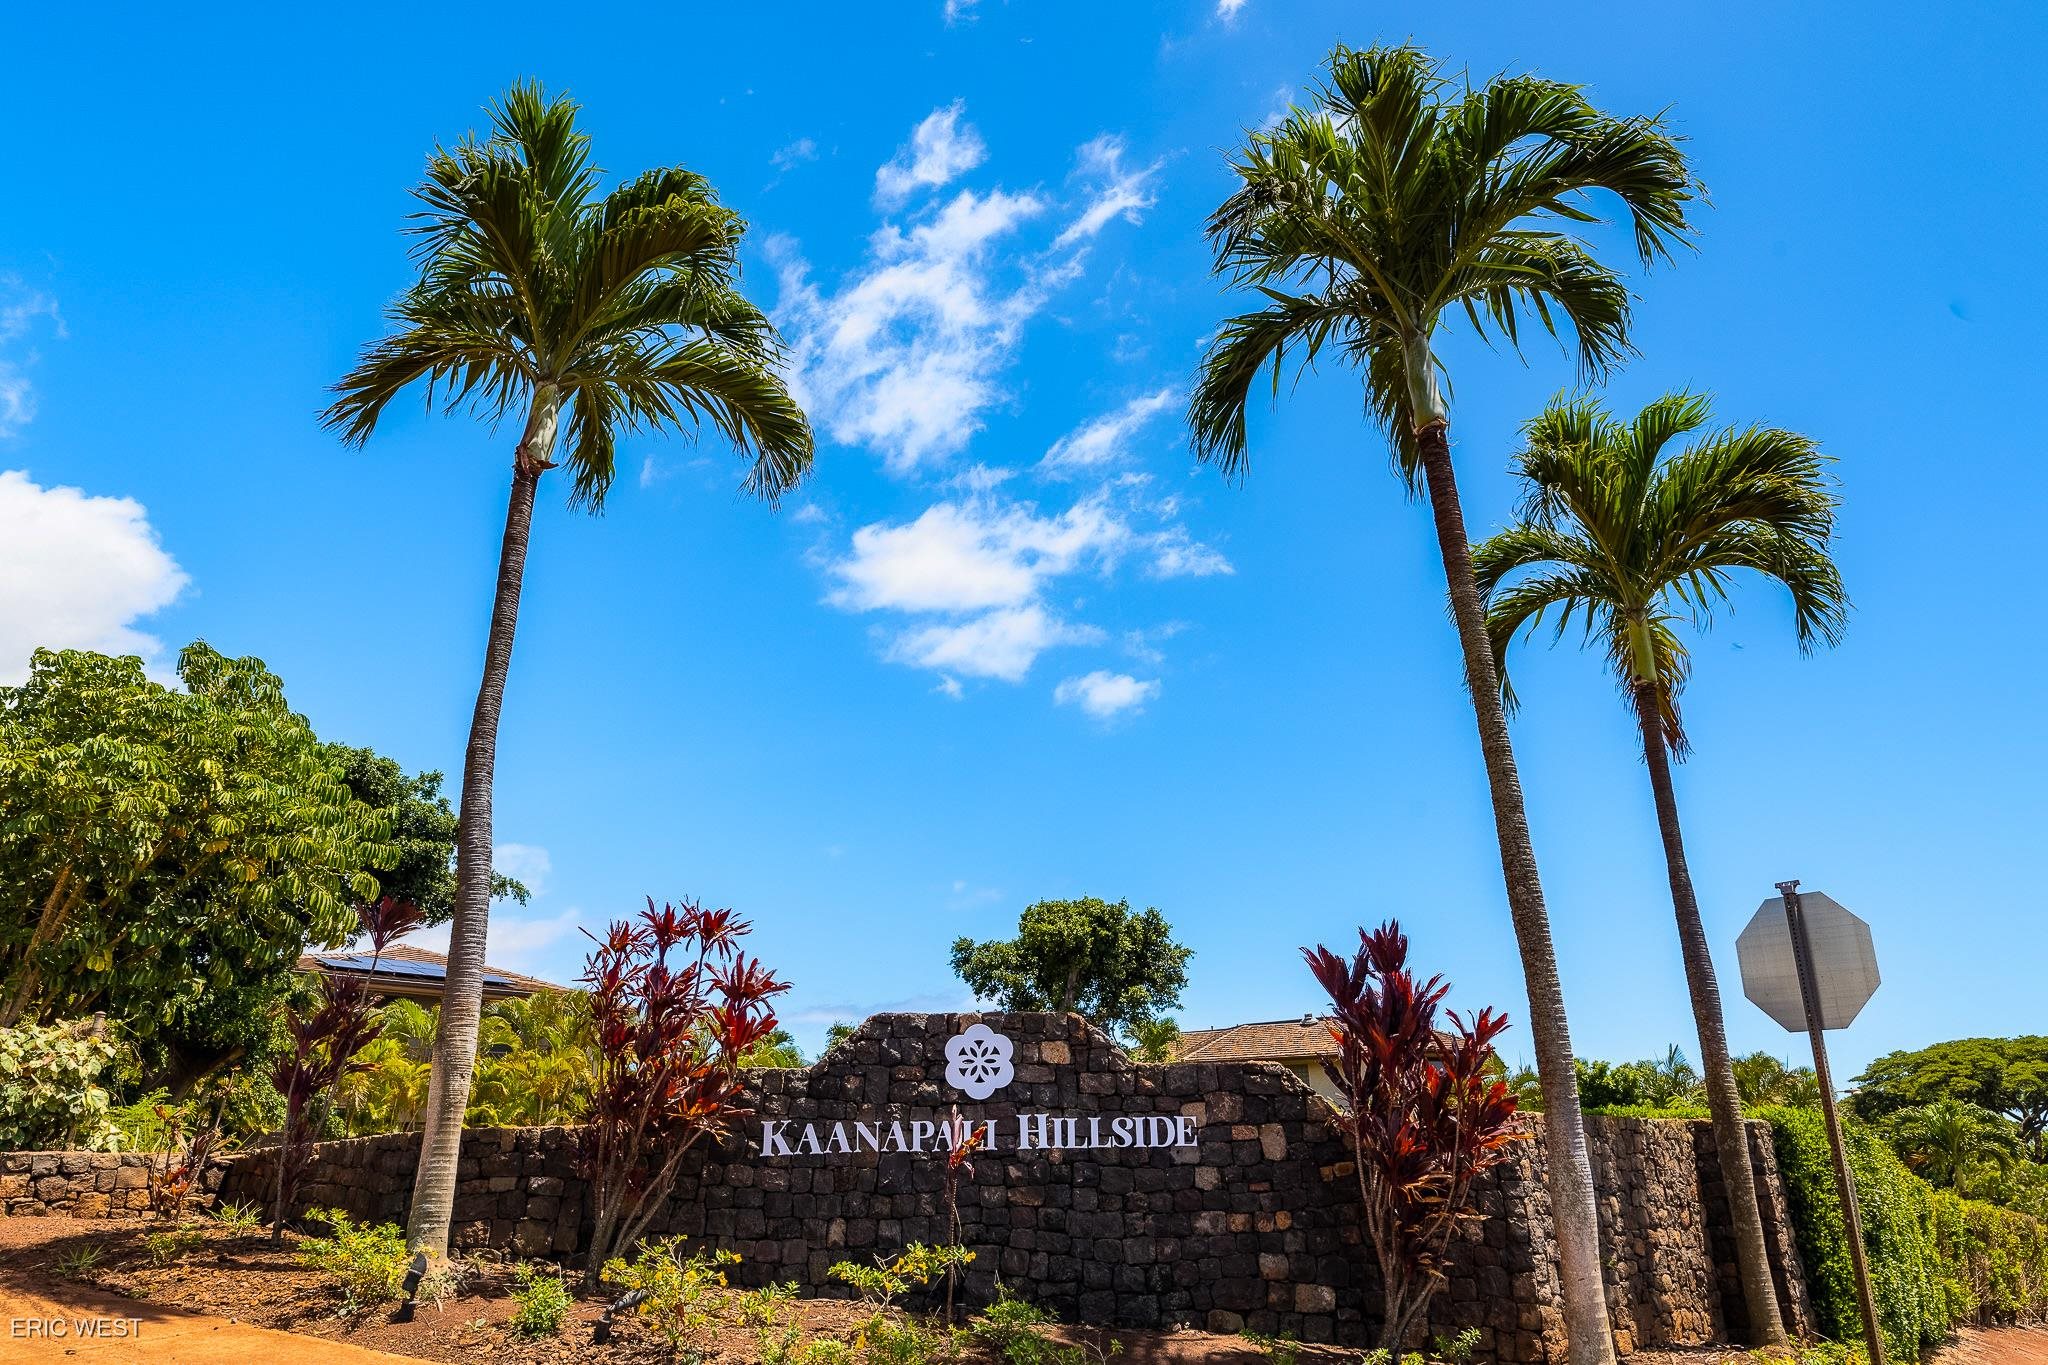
<point x="419" y="972"/>
<point x="1275" y="1041"/>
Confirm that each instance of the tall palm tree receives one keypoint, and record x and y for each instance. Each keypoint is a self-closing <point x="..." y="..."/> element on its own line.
<point x="587" y="316"/>
<point x="1630" y="542"/>
<point x="1394" y="203"/>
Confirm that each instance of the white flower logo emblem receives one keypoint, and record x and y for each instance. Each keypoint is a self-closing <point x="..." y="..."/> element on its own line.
<point x="978" y="1061"/>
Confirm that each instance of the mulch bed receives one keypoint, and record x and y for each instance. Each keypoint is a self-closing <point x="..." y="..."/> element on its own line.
<point x="245" y="1277"/>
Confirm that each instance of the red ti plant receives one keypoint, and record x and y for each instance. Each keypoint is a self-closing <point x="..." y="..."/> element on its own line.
<point x="965" y="1140"/>
<point x="1425" y="1116"/>
<point x="323" y="1048"/>
<point x="675" y="1004"/>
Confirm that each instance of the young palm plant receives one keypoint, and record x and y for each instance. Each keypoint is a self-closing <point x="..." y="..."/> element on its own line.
<point x="1629" y="542"/>
<point x="1370" y="220"/>
<point x="586" y="316"/>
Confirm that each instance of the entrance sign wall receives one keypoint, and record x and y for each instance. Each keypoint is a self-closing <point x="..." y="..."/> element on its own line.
<point x="1230" y="1203"/>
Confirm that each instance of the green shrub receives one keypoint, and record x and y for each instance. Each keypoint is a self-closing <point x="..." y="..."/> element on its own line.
<point x="681" y="1290"/>
<point x="165" y="1247"/>
<point x="50" y="1095"/>
<point x="543" y="1301"/>
<point x="902" y="1341"/>
<point x="1935" y="1260"/>
<point x="369" y="1262"/>
<point x="882" y="1283"/>
<point x="824" y="1352"/>
<point x="1014" y="1330"/>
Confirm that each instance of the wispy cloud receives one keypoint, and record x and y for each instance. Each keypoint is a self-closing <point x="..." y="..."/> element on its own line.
<point x="956" y="10"/>
<point x="22" y="311"/>
<point x="81" y="571"/>
<point x="1114" y="192"/>
<point x="1227" y="10"/>
<point x="941" y="148"/>
<point x="1104" y="440"/>
<point x="789" y="157"/>
<point x="1105" y="695"/>
<point x="528" y="863"/>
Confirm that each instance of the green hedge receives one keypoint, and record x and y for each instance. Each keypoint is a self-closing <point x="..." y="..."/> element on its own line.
<point x="1936" y="1260"/>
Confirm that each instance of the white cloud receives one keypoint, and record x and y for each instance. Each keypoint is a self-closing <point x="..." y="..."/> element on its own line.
<point x="1226" y="10"/>
<point x="940" y="149"/>
<point x="1116" y="193"/>
<point x="1001" y="644"/>
<point x="527" y="862"/>
<point x="1105" y="695"/>
<point x="956" y="10"/>
<point x="903" y="359"/>
<point x="1104" y="439"/>
<point x="795" y="154"/>
<point x="79" y="570"/>
<point x="1176" y="554"/>
<point x="972" y="556"/>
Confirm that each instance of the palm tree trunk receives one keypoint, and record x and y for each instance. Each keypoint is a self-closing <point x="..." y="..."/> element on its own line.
<point x="1569" y="1172"/>
<point x="1731" y="1139"/>
<point x="462" y="995"/>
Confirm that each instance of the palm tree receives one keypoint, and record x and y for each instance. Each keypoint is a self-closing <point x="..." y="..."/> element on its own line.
<point x="1370" y="221"/>
<point x="1630" y="542"/>
<point x="1762" y="1079"/>
<point x="586" y="316"/>
<point x="1951" y="1143"/>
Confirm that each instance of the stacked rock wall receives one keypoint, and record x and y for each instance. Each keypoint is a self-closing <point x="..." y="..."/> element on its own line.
<point x="1252" y="1225"/>
<point x="82" y="1184"/>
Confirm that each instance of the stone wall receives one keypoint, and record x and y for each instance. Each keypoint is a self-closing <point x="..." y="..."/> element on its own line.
<point x="1253" y="1226"/>
<point x="83" y="1184"/>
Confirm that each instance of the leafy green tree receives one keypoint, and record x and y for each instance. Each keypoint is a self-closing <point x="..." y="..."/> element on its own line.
<point x="1399" y="200"/>
<point x="2008" y="1076"/>
<point x="581" y="316"/>
<point x="1612" y="1085"/>
<point x="1633" y="540"/>
<point x="170" y="852"/>
<point x="1119" y="969"/>
<point x="423" y="829"/>
<point x="1953" y="1144"/>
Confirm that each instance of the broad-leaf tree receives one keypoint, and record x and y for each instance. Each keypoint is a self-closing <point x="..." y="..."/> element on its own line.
<point x="1119" y="969"/>
<point x="423" y="829"/>
<point x="172" y="851"/>
<point x="2008" y="1076"/>
<point x="582" y="316"/>
<point x="1633" y="539"/>
<point x="1396" y="203"/>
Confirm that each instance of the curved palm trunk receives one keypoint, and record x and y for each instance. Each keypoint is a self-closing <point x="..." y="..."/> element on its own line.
<point x="1731" y="1140"/>
<point x="462" y="997"/>
<point x="1569" y="1170"/>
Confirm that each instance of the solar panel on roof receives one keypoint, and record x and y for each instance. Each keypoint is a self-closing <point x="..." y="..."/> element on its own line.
<point x="398" y="966"/>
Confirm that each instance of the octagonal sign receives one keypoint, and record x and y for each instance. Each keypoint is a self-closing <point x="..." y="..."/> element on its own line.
<point x="1844" y="962"/>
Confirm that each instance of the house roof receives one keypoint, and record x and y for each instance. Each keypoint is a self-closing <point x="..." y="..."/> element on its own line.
<point x="1279" y="1040"/>
<point x="417" y="973"/>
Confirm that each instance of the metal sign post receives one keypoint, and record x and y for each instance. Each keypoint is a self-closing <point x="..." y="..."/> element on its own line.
<point x="1845" y="1183"/>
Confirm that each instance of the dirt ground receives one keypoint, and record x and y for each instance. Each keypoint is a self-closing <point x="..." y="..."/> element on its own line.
<point x="237" y="1297"/>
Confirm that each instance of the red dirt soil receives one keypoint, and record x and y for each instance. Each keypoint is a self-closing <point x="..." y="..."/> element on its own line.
<point x="236" y="1297"/>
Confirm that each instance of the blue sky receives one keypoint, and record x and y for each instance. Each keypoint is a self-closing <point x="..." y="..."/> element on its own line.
<point x="1009" y="642"/>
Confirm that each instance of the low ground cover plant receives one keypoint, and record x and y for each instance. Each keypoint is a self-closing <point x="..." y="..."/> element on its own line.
<point x="917" y="1265"/>
<point x="368" y="1262"/>
<point x="174" y="1245"/>
<point x="542" y="1298"/>
<point x="677" y="1292"/>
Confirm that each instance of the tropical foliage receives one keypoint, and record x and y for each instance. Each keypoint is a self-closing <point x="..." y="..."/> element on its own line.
<point x="176" y="849"/>
<point x="1426" y="1113"/>
<point x="2008" y="1076"/>
<point x="584" y="317"/>
<point x="421" y="868"/>
<point x="1118" y="968"/>
<point x="675" y="1005"/>
<point x="1936" y="1259"/>
<point x="52" y="1090"/>
<point x="1400" y="199"/>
